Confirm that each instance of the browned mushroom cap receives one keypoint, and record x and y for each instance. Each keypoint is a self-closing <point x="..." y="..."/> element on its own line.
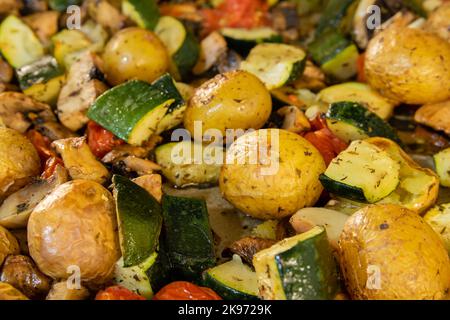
<point x="436" y="116"/>
<point x="17" y="109"/>
<point x="10" y="6"/>
<point x="22" y="273"/>
<point x="247" y="247"/>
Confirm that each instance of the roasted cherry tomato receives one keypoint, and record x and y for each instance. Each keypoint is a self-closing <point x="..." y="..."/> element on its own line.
<point x="236" y="14"/>
<point x="360" y="68"/>
<point x="117" y="293"/>
<point x="42" y="145"/>
<point x="50" y="166"/>
<point x="100" y="140"/>
<point x="182" y="290"/>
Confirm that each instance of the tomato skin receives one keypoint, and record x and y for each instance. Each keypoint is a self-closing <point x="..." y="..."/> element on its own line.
<point x="117" y="293"/>
<point x="182" y="290"/>
<point x="50" y="166"/>
<point x="100" y="140"/>
<point x="236" y="14"/>
<point x="42" y="145"/>
<point x="324" y="140"/>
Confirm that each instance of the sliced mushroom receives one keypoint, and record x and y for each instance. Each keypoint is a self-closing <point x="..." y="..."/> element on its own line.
<point x="54" y="130"/>
<point x="6" y="72"/>
<point x="10" y="6"/>
<point x="63" y="291"/>
<point x="16" y="209"/>
<point x="44" y="24"/>
<point x="105" y="14"/>
<point x="122" y="151"/>
<point x="212" y="48"/>
<point x="18" y="111"/>
<point x="22" y="273"/>
<point x="436" y="116"/>
<point x="247" y="247"/>
<point x="313" y="78"/>
<point x="152" y="183"/>
<point x="294" y="119"/>
<point x="80" y="91"/>
<point x="141" y="166"/>
<point x="80" y="161"/>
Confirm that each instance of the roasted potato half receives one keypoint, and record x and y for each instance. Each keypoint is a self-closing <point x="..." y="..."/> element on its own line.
<point x="389" y="252"/>
<point x="75" y="225"/>
<point x="409" y="65"/>
<point x="232" y="100"/>
<point x="19" y="161"/>
<point x="418" y="188"/>
<point x="271" y="173"/>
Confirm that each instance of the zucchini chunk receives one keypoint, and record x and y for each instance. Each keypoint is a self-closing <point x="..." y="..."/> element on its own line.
<point x="275" y="64"/>
<point x="144" y="12"/>
<point x="442" y="163"/>
<point x="358" y="92"/>
<point x="351" y="121"/>
<point x="68" y="42"/>
<point x="61" y="5"/>
<point x="438" y="218"/>
<point x="18" y="44"/>
<point x="181" y="44"/>
<point x="298" y="268"/>
<point x="336" y="55"/>
<point x="133" y="110"/>
<point x="336" y="16"/>
<point x="140" y="221"/>
<point x="39" y="71"/>
<point x="243" y="40"/>
<point x="187" y="236"/>
<point x="362" y="172"/>
<point x="232" y="280"/>
<point x="180" y="168"/>
<point x="46" y="92"/>
<point x="135" y="278"/>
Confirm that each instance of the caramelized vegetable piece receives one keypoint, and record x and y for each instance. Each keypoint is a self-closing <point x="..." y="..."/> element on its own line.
<point x="118" y="293"/>
<point x="61" y="291"/>
<point x="247" y="247"/>
<point x="181" y="290"/>
<point x="8" y="244"/>
<point x="8" y="292"/>
<point x="22" y="273"/>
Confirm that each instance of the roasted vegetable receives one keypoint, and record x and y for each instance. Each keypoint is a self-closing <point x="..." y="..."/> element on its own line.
<point x="272" y="187"/>
<point x="79" y="216"/>
<point x="393" y="237"/>
<point x="8" y="292"/>
<point x="247" y="247"/>
<point x="438" y="218"/>
<point x="60" y="291"/>
<point x="233" y="100"/>
<point x="436" y="116"/>
<point x="8" y="244"/>
<point x="135" y="53"/>
<point x="21" y="272"/>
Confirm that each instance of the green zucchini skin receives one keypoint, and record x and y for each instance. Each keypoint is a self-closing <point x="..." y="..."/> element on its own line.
<point x="244" y="45"/>
<point x="312" y="261"/>
<point x="121" y="108"/>
<point x="61" y="5"/>
<point x="187" y="56"/>
<point x="329" y="44"/>
<point x="140" y="220"/>
<point x="39" y="71"/>
<point x="358" y="116"/>
<point x="187" y="236"/>
<point x="225" y="292"/>
<point x="148" y="12"/>
<point x="160" y="273"/>
<point x="333" y="16"/>
<point x="339" y="188"/>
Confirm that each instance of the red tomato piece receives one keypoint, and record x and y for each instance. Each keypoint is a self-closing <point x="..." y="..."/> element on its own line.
<point x="118" y="293"/>
<point x="182" y="290"/>
<point x="100" y="140"/>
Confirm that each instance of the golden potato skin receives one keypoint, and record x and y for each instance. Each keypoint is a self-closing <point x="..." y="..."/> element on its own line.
<point x="409" y="66"/>
<point x="232" y="100"/>
<point x="8" y="244"/>
<point x="135" y="53"/>
<point x="19" y="161"/>
<point x="401" y="248"/>
<point x="75" y="225"/>
<point x="439" y="22"/>
<point x="277" y="194"/>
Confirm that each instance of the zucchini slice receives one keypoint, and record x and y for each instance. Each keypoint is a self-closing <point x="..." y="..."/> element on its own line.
<point x="39" y="71"/>
<point x="336" y="55"/>
<point x="243" y="40"/>
<point x="187" y="236"/>
<point x="336" y="16"/>
<point x="362" y="172"/>
<point x="275" y="64"/>
<point x="68" y="42"/>
<point x="133" y="110"/>
<point x="18" y="44"/>
<point x="135" y="278"/>
<point x="358" y="92"/>
<point x="442" y="163"/>
<point x="351" y="121"/>
<point x="181" y="44"/>
<point x="179" y="166"/>
<point x="232" y="280"/>
<point x="298" y="268"/>
<point x="439" y="219"/>
<point x="144" y="12"/>
<point x="140" y="221"/>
